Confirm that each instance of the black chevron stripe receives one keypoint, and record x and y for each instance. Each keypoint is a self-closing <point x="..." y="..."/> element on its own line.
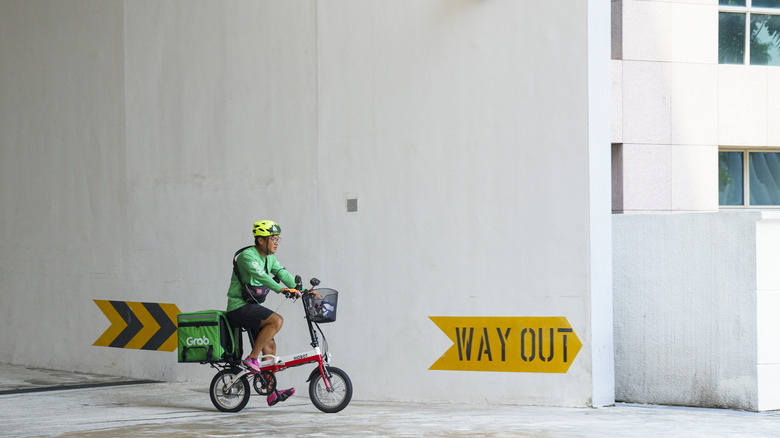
<point x="167" y="327"/>
<point x="133" y="324"/>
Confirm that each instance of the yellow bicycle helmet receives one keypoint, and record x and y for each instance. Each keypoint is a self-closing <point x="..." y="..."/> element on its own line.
<point x="266" y="228"/>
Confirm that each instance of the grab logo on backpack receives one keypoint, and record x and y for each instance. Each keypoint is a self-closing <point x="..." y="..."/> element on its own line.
<point x="197" y="341"/>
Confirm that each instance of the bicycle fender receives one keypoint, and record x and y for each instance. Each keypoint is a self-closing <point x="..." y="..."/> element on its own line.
<point x="314" y="373"/>
<point x="239" y="376"/>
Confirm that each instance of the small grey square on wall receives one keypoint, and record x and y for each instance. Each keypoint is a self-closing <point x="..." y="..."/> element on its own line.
<point x="351" y="205"/>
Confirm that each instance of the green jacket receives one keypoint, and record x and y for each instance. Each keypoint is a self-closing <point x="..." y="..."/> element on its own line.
<point x="256" y="270"/>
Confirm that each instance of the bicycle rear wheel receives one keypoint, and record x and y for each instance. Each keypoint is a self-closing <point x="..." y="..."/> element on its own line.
<point x="231" y="399"/>
<point x="337" y="397"/>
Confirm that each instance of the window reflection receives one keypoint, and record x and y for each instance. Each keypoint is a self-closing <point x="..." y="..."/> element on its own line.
<point x="763" y="3"/>
<point x="764" y="178"/>
<point x="731" y="38"/>
<point x="730" y="178"/>
<point x="764" y="39"/>
<point x="756" y="23"/>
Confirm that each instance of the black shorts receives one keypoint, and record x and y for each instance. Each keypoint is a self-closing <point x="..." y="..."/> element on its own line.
<point x="249" y="316"/>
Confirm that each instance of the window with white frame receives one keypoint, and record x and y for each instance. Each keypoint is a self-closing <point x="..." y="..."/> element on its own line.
<point x="749" y="32"/>
<point x="748" y="178"/>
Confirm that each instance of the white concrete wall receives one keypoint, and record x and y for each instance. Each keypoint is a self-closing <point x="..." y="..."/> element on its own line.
<point x="140" y="140"/>
<point x="685" y="309"/>
<point x="602" y="342"/>
<point x="696" y="305"/>
<point x="768" y="307"/>
<point x="64" y="216"/>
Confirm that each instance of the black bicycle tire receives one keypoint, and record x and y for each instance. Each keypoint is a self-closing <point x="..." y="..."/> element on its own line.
<point x="240" y="390"/>
<point x="317" y="391"/>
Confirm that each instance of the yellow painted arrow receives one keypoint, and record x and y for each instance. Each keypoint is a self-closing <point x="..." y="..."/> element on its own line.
<point x="508" y="344"/>
<point x="118" y="324"/>
<point x="173" y="341"/>
<point x="134" y="325"/>
<point x="150" y="326"/>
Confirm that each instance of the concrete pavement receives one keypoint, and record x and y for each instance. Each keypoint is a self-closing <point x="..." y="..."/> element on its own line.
<point x="37" y="402"/>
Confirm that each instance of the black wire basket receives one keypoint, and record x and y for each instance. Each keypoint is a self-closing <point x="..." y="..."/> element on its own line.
<point x="322" y="310"/>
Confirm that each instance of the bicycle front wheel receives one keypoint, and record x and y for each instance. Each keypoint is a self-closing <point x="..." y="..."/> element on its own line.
<point x="337" y="397"/>
<point x="228" y="393"/>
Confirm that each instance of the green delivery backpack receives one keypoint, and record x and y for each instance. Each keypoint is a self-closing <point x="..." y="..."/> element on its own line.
<point x="206" y="336"/>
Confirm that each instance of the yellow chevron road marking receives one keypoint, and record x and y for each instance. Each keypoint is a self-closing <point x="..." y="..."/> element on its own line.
<point x="117" y="324"/>
<point x="140" y="326"/>
<point x="173" y="341"/>
<point x="150" y="326"/>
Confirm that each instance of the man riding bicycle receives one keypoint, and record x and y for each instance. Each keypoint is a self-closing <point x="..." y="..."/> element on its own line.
<point x="256" y="267"/>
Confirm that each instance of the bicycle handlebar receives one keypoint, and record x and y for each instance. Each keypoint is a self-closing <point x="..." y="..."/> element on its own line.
<point x="288" y="294"/>
<point x="299" y="287"/>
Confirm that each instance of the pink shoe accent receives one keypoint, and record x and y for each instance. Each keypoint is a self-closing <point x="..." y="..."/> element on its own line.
<point x="252" y="364"/>
<point x="278" y="396"/>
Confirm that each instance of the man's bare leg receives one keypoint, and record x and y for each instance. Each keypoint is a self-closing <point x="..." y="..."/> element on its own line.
<point x="268" y="329"/>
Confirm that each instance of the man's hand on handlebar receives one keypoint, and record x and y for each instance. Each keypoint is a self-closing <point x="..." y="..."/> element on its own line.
<point x="314" y="292"/>
<point x="291" y="293"/>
